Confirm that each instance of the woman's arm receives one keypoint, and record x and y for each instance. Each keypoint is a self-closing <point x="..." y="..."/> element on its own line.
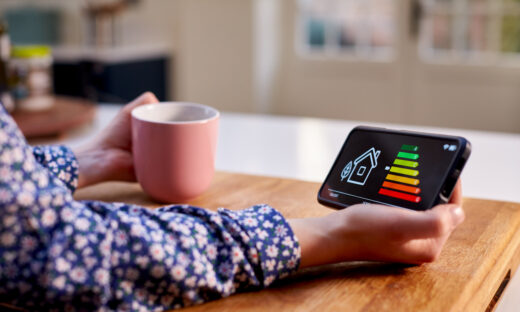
<point x="58" y="253"/>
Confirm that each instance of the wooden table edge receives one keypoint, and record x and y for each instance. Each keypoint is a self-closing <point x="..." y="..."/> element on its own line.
<point x="490" y="290"/>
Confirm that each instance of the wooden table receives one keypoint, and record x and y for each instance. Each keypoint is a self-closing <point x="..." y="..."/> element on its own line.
<point x="470" y="274"/>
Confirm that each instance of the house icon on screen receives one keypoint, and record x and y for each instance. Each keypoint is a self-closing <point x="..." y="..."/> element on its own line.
<point x="363" y="165"/>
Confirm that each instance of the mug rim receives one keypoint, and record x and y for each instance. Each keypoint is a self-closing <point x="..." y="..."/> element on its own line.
<point x="215" y="113"/>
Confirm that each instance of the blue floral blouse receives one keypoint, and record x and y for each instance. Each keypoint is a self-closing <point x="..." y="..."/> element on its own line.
<point x="60" y="254"/>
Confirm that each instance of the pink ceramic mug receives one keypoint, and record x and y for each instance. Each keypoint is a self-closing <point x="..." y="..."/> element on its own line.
<point x="174" y="146"/>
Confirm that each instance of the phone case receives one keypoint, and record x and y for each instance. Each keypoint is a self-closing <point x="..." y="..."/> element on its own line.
<point x="449" y="179"/>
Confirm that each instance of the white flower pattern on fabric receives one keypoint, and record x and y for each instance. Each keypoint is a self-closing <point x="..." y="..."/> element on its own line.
<point x="64" y="255"/>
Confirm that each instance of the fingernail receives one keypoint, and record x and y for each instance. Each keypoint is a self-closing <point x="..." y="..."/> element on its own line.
<point x="457" y="213"/>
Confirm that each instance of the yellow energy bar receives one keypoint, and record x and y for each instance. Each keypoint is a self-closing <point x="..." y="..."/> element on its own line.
<point x="406" y="163"/>
<point x="406" y="180"/>
<point x="404" y="171"/>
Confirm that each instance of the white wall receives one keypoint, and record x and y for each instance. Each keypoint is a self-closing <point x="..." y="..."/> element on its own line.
<point x="215" y="55"/>
<point x="267" y="52"/>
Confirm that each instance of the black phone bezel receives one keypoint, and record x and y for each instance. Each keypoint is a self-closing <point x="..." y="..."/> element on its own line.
<point x="449" y="178"/>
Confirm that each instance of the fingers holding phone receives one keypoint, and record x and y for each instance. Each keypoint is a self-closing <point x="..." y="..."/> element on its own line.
<point x="382" y="233"/>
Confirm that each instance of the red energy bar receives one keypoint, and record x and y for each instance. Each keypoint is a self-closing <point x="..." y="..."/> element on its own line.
<point x="400" y="187"/>
<point x="407" y="197"/>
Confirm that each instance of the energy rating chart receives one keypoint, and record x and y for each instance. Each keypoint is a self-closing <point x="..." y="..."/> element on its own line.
<point x="402" y="181"/>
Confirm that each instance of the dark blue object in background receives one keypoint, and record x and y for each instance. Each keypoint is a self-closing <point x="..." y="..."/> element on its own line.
<point x="112" y="82"/>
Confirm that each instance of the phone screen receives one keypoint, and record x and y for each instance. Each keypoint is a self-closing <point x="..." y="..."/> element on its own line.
<point x="392" y="168"/>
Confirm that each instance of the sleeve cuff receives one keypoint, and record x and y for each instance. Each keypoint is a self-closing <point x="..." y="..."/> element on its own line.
<point x="61" y="162"/>
<point x="272" y="245"/>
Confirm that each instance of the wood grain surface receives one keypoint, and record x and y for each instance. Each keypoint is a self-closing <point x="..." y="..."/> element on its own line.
<point x="477" y="258"/>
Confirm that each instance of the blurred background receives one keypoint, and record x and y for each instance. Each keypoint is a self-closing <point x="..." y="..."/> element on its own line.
<point x="443" y="63"/>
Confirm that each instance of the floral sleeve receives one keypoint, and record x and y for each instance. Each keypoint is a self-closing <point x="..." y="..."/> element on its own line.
<point x="60" y="161"/>
<point x="61" y="254"/>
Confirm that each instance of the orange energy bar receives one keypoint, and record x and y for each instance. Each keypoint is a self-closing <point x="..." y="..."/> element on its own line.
<point x="400" y="187"/>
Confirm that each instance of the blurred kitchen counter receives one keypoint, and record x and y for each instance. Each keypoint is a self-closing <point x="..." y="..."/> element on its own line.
<point x="305" y="148"/>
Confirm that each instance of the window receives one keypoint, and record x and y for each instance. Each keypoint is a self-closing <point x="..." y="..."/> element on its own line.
<point x="470" y="30"/>
<point x="482" y="31"/>
<point x="360" y="28"/>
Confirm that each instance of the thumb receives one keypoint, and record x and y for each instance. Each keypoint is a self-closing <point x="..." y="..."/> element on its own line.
<point x="437" y="222"/>
<point x="452" y="213"/>
<point x="143" y="99"/>
<point x="117" y="134"/>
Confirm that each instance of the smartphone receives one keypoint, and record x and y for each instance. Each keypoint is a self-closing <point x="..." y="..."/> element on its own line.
<point x="397" y="168"/>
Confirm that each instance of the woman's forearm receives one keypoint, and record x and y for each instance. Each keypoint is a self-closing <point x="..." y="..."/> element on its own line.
<point x="100" y="164"/>
<point x="88" y="173"/>
<point x="325" y="240"/>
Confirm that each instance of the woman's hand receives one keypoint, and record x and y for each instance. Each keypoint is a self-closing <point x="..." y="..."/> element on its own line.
<point x="109" y="156"/>
<point x="379" y="233"/>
